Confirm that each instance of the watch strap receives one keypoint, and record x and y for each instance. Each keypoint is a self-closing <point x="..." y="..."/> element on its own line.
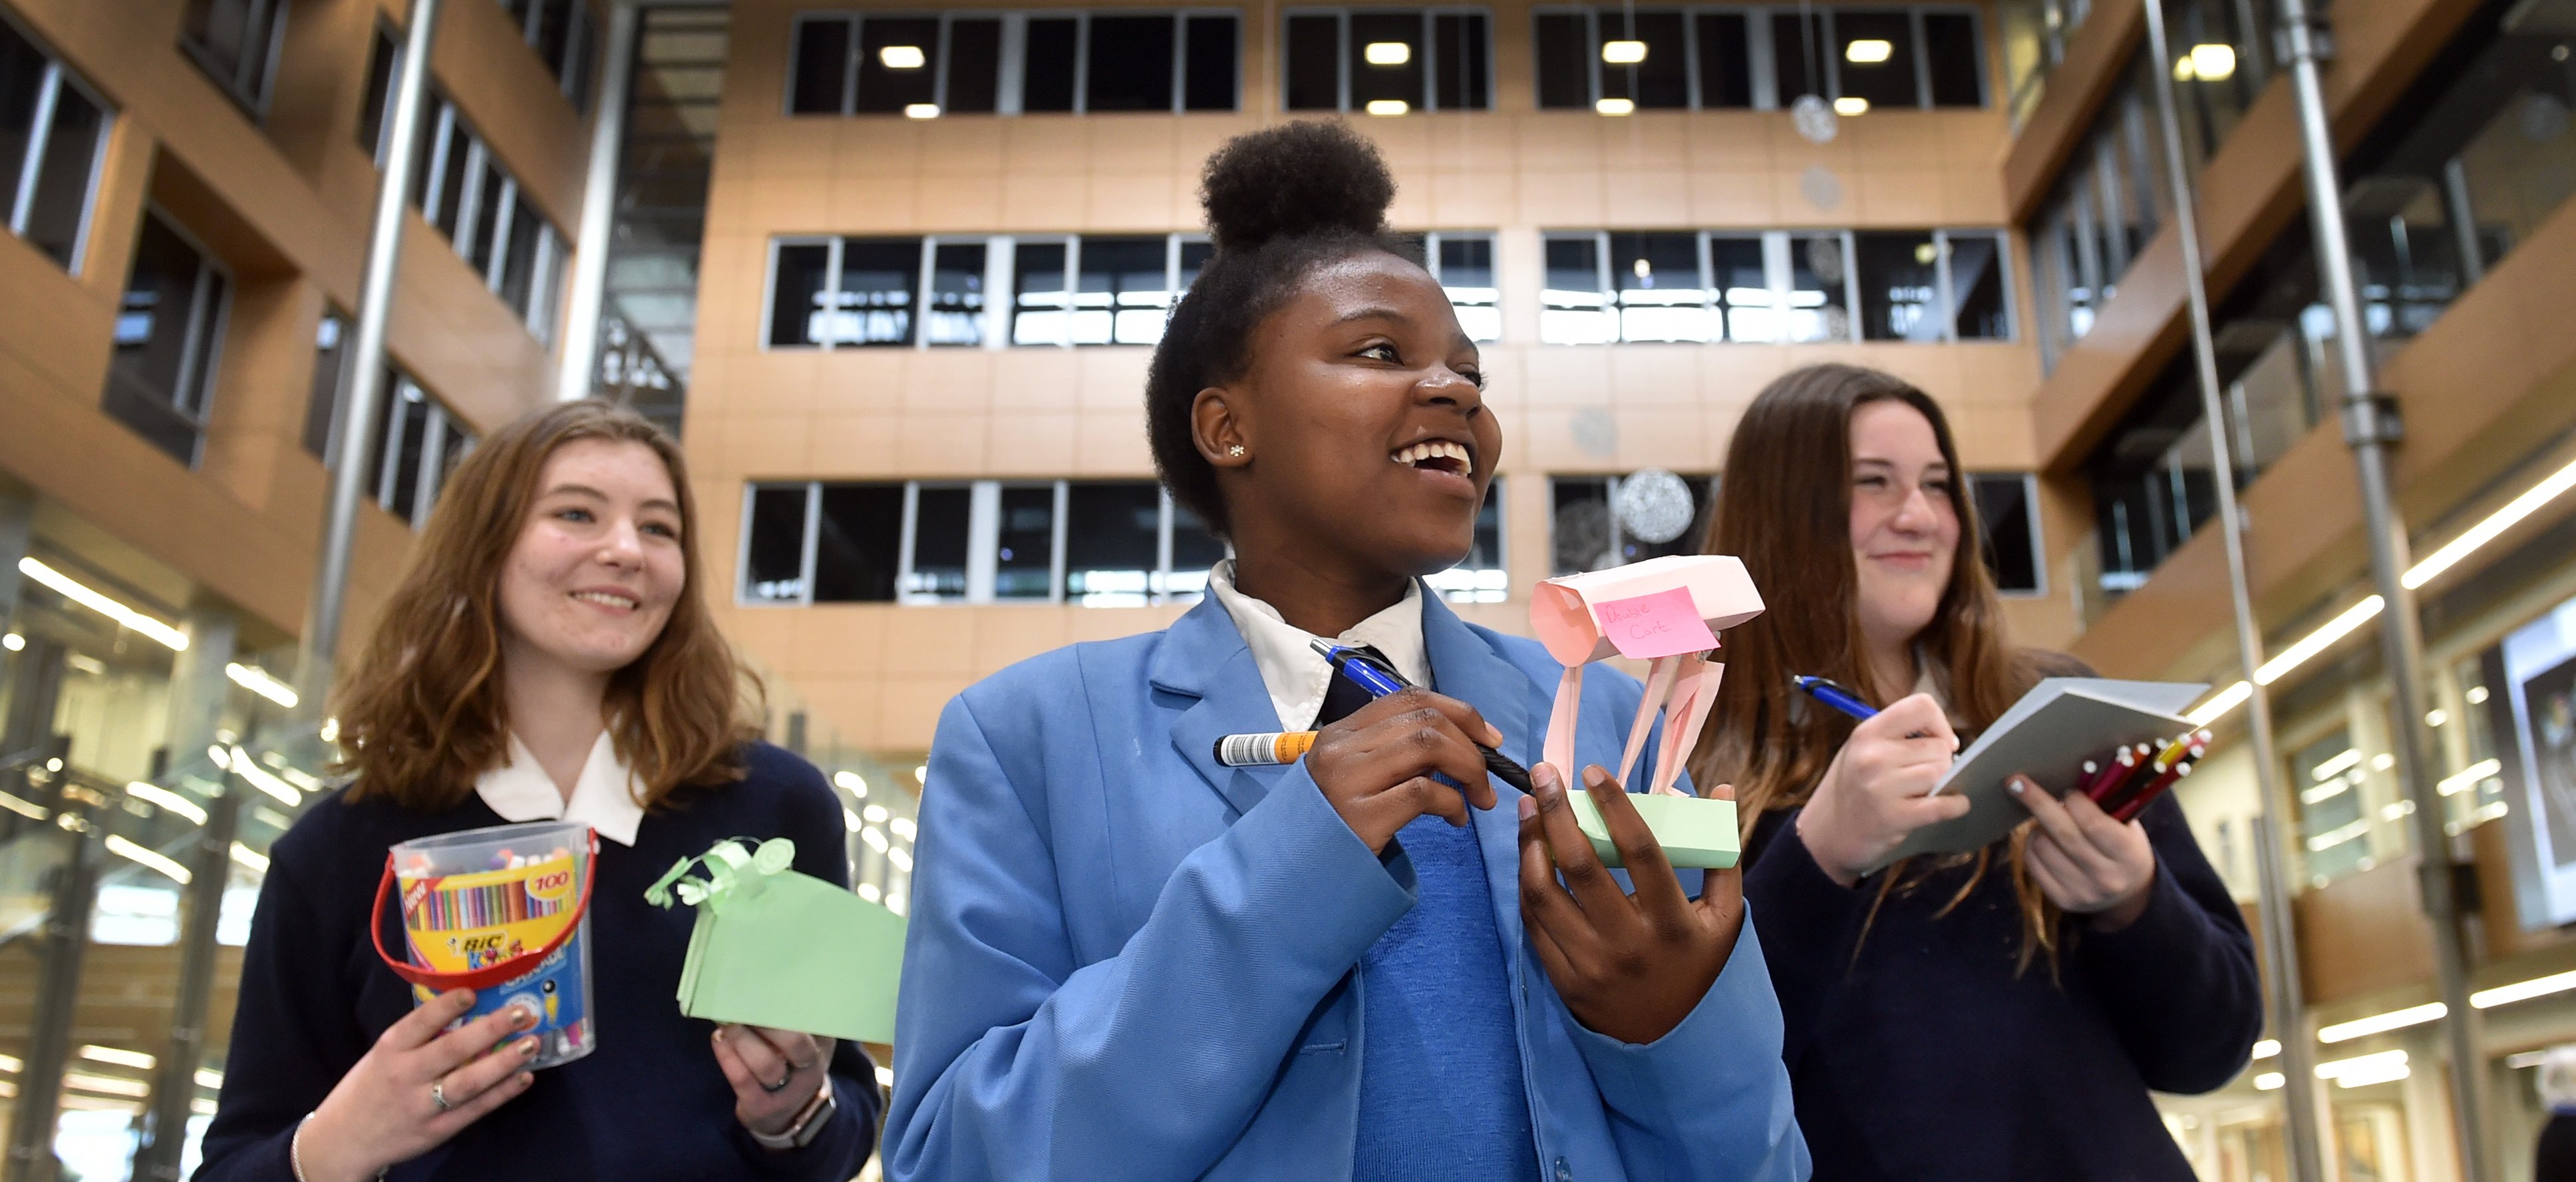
<point x="809" y="1123"/>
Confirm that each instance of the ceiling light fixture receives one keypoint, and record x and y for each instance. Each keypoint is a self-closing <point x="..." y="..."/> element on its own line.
<point x="1615" y="106"/>
<point x="169" y="637"/>
<point x="1388" y="106"/>
<point x="903" y="57"/>
<point x="258" y="681"/>
<point x="1851" y="104"/>
<point x="921" y="111"/>
<point x="1387" y="53"/>
<point x="1623" y="53"/>
<point x="1868" y="51"/>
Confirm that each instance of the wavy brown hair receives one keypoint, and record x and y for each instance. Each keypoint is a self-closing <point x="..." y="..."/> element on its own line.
<point x="423" y="713"/>
<point x="1784" y="507"/>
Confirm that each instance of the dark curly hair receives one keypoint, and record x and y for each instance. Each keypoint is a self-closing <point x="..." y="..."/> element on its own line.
<point x="1280" y="203"/>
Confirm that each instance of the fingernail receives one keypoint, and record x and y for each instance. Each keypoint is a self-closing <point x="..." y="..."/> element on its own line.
<point x="527" y="1048"/>
<point x="2015" y="785"/>
<point x="1493" y="736"/>
<point x="1543" y="776"/>
<point x="1529" y="807"/>
<point x="1594" y="777"/>
<point x="526" y="1078"/>
<point x="525" y="1020"/>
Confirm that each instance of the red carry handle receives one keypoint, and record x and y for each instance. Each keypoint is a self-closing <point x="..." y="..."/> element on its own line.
<point x="489" y="975"/>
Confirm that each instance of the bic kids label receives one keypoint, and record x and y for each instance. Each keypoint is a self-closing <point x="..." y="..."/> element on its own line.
<point x="461" y="923"/>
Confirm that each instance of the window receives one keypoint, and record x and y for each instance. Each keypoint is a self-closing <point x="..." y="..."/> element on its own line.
<point x="330" y="373"/>
<point x="1480" y="577"/>
<point x="1621" y="59"/>
<point x="471" y="197"/>
<point x="2109" y="201"/>
<point x="2034" y="37"/>
<point x="1389" y="61"/>
<point x="52" y="130"/>
<point x="419" y="442"/>
<point x="1590" y="527"/>
<point x="1772" y="287"/>
<point x="376" y="108"/>
<point x="928" y="65"/>
<point x="2007" y="505"/>
<point x="558" y="31"/>
<point x="1109" y="543"/>
<point x="236" y="42"/>
<point x="1464" y="265"/>
<point x="169" y="331"/>
<point x="1092" y="290"/>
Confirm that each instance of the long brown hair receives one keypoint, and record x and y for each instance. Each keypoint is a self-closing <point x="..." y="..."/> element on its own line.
<point x="1784" y="507"/>
<point x="422" y="713"/>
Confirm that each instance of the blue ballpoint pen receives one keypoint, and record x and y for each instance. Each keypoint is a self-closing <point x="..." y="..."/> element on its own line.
<point x="1831" y="694"/>
<point x="1380" y="681"/>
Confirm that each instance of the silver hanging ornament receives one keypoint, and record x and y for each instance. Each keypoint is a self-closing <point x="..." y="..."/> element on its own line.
<point x="1654" y="506"/>
<point x="1814" y="118"/>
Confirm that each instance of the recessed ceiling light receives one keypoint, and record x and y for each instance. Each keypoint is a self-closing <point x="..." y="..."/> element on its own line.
<point x="921" y="111"/>
<point x="1623" y="53"/>
<point x="903" y="57"/>
<point x="1851" y="104"/>
<point x="1615" y="106"/>
<point x="1868" y="51"/>
<point x="1388" y="106"/>
<point x="1387" y="53"/>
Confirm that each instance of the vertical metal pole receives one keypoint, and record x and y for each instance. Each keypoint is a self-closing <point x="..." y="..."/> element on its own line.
<point x="174" y="1082"/>
<point x="2284" y="995"/>
<point x="598" y="206"/>
<point x="2370" y="429"/>
<point x="49" y="1027"/>
<point x="365" y="390"/>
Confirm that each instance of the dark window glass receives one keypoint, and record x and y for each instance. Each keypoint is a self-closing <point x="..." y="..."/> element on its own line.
<point x="1194" y="549"/>
<point x="22" y="80"/>
<point x="956" y="311"/>
<point x="452" y="197"/>
<point x="1211" y="46"/>
<point x="886" y="87"/>
<point x="412" y="407"/>
<point x="574" y="67"/>
<point x="1040" y="314"/>
<point x="1465" y="268"/>
<point x="519" y="263"/>
<point x="877" y="280"/>
<point x="773" y="552"/>
<point x="1875" y="52"/>
<point x="796" y="296"/>
<point x="1900" y="286"/>
<point x="167" y="327"/>
<point x="1662" y="80"/>
<point x="1797" y="55"/>
<point x="1112" y="540"/>
<point x="1742" y="287"/>
<point x="1657" y="279"/>
<point x="377" y="106"/>
<point x="1122" y="295"/>
<point x="858" y="543"/>
<point x="1486" y="553"/>
<point x="2003" y="508"/>
<point x="1573" y="310"/>
<point x="488" y="204"/>
<point x="1024" y="549"/>
<point x="1393" y="82"/>
<point x="554" y="34"/>
<point x="1130" y="60"/>
<point x="1564" y="62"/>
<point x="822" y="66"/>
<point x="974" y="65"/>
<point x="230" y="40"/>
<point x="939" y="524"/>
<point x="1725" y="60"/>
<point x="1977" y="285"/>
<point x="1818" y="309"/>
<point x="62" y="178"/>
<point x="1194" y="257"/>
<point x="1314" y="63"/>
<point x="1046" y="72"/>
<point x="322" y="405"/>
<point x="1461" y="56"/>
<point x="1957" y="61"/>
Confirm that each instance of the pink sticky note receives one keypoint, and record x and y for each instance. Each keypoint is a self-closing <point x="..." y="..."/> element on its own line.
<point x="1664" y="624"/>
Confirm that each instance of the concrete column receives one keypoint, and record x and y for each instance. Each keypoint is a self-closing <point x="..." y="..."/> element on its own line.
<point x="198" y="685"/>
<point x="17" y="531"/>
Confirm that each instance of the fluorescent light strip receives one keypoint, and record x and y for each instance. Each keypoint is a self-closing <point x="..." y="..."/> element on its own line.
<point x="29" y="810"/>
<point x="127" y="849"/>
<point x="169" y="637"/>
<point x="2267" y="1048"/>
<point x="107" y="1085"/>
<point x="2365" y="1064"/>
<point x="250" y="857"/>
<point x="2523" y="990"/>
<point x="850" y="819"/>
<point x="242" y="765"/>
<point x="2468" y="777"/>
<point x="2492" y="526"/>
<point x="209" y="1079"/>
<point x="257" y="681"/>
<point x="134" y="1059"/>
<point x="856" y="783"/>
<point x="2335" y="766"/>
<point x="2431" y="1011"/>
<point x="2270" y="1081"/>
<point x="167" y="801"/>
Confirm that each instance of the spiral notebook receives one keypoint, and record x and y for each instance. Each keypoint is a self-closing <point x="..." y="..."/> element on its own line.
<point x="2047" y="735"/>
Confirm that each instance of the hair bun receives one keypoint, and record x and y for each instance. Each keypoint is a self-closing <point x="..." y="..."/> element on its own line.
<point x="1296" y="178"/>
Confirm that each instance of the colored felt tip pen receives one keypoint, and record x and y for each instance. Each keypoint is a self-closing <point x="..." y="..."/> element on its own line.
<point x="1825" y="690"/>
<point x="1380" y="681"/>
<point x="1277" y="747"/>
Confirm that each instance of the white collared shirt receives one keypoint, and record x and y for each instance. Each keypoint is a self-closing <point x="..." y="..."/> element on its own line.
<point x="1292" y="671"/>
<point x="604" y="798"/>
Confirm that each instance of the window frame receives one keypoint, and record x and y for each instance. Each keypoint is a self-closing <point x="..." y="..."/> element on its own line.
<point x="550" y="250"/>
<point x="1779" y="269"/>
<point x="572" y="74"/>
<point x="1011" y="58"/>
<point x="2038" y="540"/>
<point x="1711" y="482"/>
<point x="252" y="95"/>
<point x="40" y="134"/>
<point x="1431" y="88"/>
<point x="441" y="428"/>
<point x="1001" y="290"/>
<point x="1431" y="242"/>
<point x="201" y="345"/>
<point x="1761" y="69"/>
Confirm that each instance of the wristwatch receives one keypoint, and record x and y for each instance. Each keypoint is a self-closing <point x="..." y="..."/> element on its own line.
<point x="809" y="1123"/>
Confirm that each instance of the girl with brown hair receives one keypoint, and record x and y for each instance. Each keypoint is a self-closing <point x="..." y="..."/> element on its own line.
<point x="1995" y="1015"/>
<point x="548" y="655"/>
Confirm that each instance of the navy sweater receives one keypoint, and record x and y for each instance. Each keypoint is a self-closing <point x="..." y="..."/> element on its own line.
<point x="1919" y="1052"/>
<point x="650" y="1102"/>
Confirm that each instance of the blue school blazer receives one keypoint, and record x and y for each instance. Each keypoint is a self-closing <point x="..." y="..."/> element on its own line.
<point x="1129" y="962"/>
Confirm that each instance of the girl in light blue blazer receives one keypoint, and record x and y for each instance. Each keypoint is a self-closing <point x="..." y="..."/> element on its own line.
<point x="1129" y="962"/>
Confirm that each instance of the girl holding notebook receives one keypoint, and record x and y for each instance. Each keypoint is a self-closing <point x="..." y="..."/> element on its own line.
<point x="1995" y="1015"/>
<point x="1129" y="961"/>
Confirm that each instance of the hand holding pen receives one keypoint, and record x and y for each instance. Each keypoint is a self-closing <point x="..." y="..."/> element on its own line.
<point x="1376" y="766"/>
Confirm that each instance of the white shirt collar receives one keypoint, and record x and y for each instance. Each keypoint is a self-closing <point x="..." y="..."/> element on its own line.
<point x="1293" y="673"/>
<point x="604" y="798"/>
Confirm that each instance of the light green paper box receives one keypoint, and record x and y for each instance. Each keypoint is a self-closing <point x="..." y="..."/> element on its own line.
<point x="776" y="948"/>
<point x="1696" y="834"/>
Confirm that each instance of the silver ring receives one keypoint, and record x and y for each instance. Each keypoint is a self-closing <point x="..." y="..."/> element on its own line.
<point x="438" y="1095"/>
<point x="783" y="1081"/>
